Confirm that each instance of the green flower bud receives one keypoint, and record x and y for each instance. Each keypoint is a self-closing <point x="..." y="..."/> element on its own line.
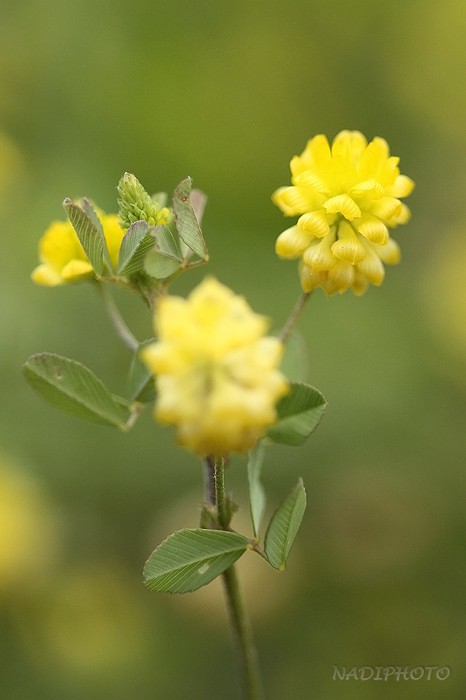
<point x="137" y="205"/>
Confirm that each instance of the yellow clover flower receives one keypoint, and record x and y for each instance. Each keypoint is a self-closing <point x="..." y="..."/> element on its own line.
<point x="216" y="372"/>
<point x="347" y="196"/>
<point x="62" y="256"/>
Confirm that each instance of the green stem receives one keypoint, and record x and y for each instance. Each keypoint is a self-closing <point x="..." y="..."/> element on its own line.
<point x="294" y="317"/>
<point x="238" y="617"/>
<point x="243" y="632"/>
<point x="209" y="482"/>
<point x="117" y="320"/>
<point x="219" y="475"/>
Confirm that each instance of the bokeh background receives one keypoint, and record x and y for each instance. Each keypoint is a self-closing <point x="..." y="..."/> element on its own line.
<point x="227" y="92"/>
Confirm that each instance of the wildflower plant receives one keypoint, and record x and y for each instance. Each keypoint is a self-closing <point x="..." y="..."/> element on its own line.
<point x="213" y="370"/>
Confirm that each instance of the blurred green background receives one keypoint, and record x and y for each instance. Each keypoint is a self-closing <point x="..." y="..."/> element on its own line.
<point x="227" y="92"/>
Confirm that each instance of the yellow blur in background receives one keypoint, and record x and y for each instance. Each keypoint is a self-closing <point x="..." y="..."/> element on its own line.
<point x="29" y="531"/>
<point x="227" y="93"/>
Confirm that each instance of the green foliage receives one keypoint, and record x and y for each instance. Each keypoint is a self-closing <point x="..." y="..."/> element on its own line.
<point x="160" y="266"/>
<point x="299" y="414"/>
<point x="140" y="380"/>
<point x="283" y="527"/>
<point x="71" y="386"/>
<point x="189" y="559"/>
<point x="256" y="490"/>
<point x="166" y="256"/>
<point x="134" y="246"/>
<point x="160" y="250"/>
<point x="186" y="222"/>
<point x="167" y="243"/>
<point x="88" y="228"/>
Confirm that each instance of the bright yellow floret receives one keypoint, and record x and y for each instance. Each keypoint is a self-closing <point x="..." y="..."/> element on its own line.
<point x="62" y="256"/>
<point x="347" y="197"/>
<point x="216" y="371"/>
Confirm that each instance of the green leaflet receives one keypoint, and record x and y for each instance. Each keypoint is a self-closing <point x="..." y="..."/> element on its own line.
<point x="284" y="526"/>
<point x="189" y="559"/>
<point x="185" y="220"/>
<point x="140" y="380"/>
<point x="71" y="386"/>
<point x="166" y="257"/>
<point x="89" y="230"/>
<point x="256" y="490"/>
<point x="159" y="265"/>
<point x="134" y="246"/>
<point x="299" y="413"/>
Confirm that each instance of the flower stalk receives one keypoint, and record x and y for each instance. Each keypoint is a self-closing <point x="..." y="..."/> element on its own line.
<point x="294" y="317"/>
<point x="118" y="323"/>
<point x="243" y="632"/>
<point x="214" y="495"/>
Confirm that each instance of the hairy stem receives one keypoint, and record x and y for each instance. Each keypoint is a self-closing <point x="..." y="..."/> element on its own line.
<point x="220" y="493"/>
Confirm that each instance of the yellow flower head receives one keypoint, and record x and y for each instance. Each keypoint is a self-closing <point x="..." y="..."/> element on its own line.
<point x="217" y="376"/>
<point x="62" y="256"/>
<point x="347" y="196"/>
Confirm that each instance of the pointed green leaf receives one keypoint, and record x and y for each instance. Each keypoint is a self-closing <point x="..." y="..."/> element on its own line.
<point x="88" y="208"/>
<point x="90" y="233"/>
<point x="71" y="386"/>
<point x="256" y="490"/>
<point x="185" y="220"/>
<point x="140" y="380"/>
<point x="90" y="212"/>
<point x="283" y="527"/>
<point x="299" y="413"/>
<point x="134" y="246"/>
<point x="189" y="559"/>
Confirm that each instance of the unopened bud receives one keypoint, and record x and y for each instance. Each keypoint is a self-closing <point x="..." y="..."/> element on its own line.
<point x="137" y="205"/>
